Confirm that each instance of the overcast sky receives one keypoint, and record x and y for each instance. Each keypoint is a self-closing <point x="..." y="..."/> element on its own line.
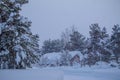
<point x="51" y="17"/>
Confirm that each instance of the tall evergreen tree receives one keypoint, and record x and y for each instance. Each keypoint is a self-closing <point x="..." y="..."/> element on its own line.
<point x="93" y="44"/>
<point x="95" y="35"/>
<point x="115" y="41"/>
<point x="98" y="43"/>
<point x="104" y="43"/>
<point x="77" y="41"/>
<point x="18" y="46"/>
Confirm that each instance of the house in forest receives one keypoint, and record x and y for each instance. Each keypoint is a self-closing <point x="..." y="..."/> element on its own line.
<point x="75" y="59"/>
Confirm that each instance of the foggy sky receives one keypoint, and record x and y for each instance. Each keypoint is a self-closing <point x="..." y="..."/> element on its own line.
<point x="51" y="17"/>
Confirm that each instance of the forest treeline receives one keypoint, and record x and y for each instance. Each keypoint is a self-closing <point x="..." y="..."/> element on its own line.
<point x="99" y="46"/>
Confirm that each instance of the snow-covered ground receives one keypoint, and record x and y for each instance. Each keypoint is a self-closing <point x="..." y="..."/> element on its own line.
<point x="32" y="74"/>
<point x="62" y="73"/>
<point x="92" y="74"/>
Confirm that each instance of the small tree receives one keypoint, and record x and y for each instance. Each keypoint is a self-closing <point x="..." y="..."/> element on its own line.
<point x="65" y="38"/>
<point x="65" y="58"/>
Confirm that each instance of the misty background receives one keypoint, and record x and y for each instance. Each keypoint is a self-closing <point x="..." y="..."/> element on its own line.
<point x="51" y="17"/>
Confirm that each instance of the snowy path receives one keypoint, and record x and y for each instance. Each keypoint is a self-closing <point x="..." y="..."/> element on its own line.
<point x="61" y="74"/>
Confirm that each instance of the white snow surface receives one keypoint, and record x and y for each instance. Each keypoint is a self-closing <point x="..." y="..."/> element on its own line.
<point x="33" y="74"/>
<point x="62" y="73"/>
<point x="92" y="74"/>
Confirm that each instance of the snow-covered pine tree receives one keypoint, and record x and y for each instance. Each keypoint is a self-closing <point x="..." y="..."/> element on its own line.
<point x="104" y="42"/>
<point x="18" y="46"/>
<point x="115" y="41"/>
<point x="98" y="44"/>
<point x="77" y="41"/>
<point x="94" y="46"/>
<point x="95" y="35"/>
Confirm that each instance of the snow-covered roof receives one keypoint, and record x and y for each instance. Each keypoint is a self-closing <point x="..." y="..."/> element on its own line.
<point x="73" y="53"/>
<point x="52" y="56"/>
